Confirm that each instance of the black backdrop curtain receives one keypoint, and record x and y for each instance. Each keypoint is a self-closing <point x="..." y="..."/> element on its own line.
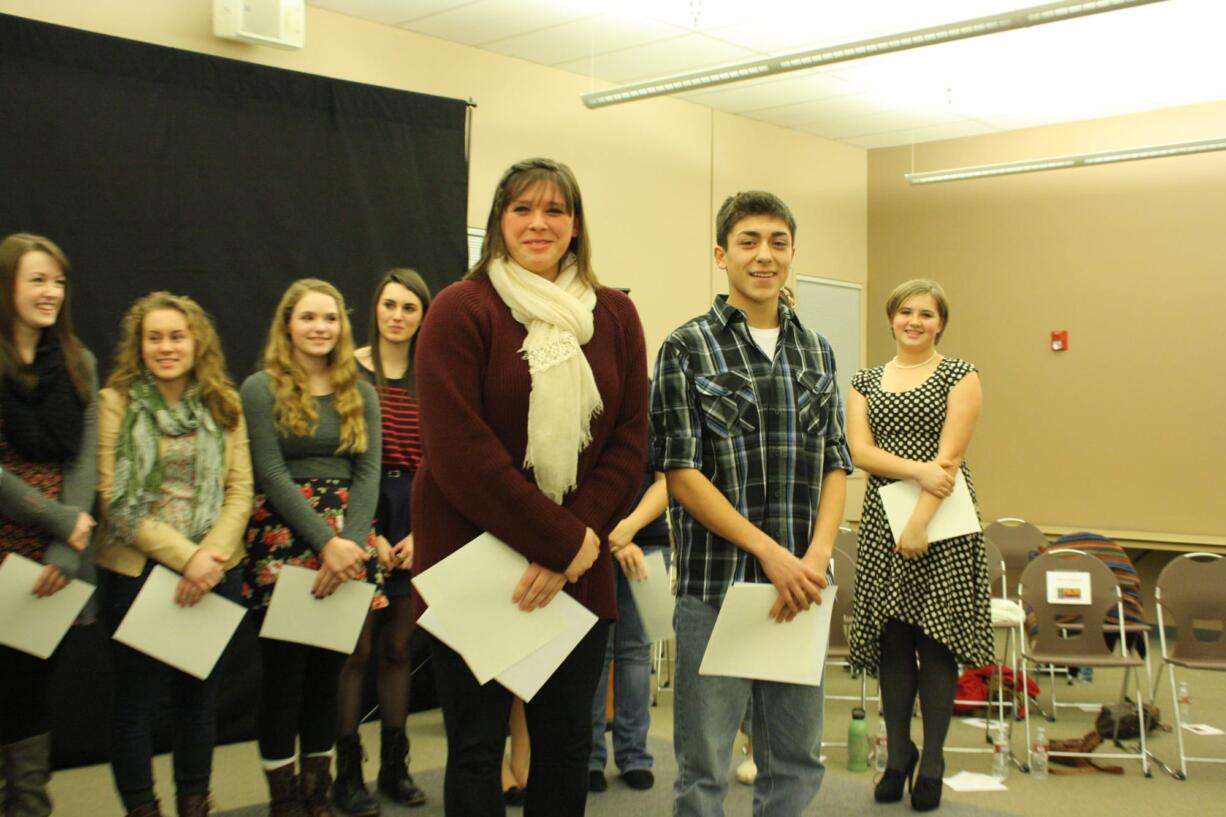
<point x="156" y="168"/>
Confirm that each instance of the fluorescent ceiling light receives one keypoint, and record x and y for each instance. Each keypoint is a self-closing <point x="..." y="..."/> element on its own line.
<point x="815" y="58"/>
<point x="1060" y="162"/>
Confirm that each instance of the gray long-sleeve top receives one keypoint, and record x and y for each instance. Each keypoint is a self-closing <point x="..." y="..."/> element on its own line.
<point x="20" y="502"/>
<point x="278" y="459"/>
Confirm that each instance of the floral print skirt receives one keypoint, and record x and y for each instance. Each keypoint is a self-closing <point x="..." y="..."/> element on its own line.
<point x="272" y="543"/>
<point x="47" y="477"/>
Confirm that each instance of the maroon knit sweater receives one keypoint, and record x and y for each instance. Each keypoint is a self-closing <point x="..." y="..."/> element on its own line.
<point x="473" y="387"/>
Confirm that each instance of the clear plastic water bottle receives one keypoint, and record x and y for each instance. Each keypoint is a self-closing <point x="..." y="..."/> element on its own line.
<point x="1000" y="754"/>
<point x="857" y="742"/>
<point x="881" y="747"/>
<point x="1039" y="753"/>
<point x="1185" y="702"/>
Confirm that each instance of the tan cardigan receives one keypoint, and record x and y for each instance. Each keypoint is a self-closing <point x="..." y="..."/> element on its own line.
<point x="157" y="540"/>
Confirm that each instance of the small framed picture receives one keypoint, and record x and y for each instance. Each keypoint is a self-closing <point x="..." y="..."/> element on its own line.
<point x="1068" y="587"/>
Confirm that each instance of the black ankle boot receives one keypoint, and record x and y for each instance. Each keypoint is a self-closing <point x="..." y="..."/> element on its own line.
<point x="349" y="792"/>
<point x="926" y="795"/>
<point x="889" y="788"/>
<point x="394" y="778"/>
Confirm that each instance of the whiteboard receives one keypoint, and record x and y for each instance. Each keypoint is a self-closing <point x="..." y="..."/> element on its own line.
<point x="832" y="309"/>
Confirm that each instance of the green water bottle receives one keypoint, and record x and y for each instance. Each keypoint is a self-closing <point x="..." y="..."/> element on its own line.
<point x="857" y="742"/>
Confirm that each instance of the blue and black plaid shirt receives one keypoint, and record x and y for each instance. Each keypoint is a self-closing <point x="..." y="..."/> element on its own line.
<point x="763" y="431"/>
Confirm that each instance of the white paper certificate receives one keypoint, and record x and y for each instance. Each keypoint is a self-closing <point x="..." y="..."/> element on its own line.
<point x="653" y="598"/>
<point x="334" y="623"/>
<point x="955" y="517"/>
<point x="190" y="639"/>
<point x="470" y="593"/>
<point x="526" y="677"/>
<point x="747" y="643"/>
<point x="1068" y="587"/>
<point x="29" y="623"/>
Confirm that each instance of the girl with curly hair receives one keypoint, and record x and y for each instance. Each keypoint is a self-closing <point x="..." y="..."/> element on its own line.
<point x="174" y="477"/>
<point x="315" y="445"/>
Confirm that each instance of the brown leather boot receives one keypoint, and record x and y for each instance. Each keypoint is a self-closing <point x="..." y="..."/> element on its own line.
<point x="146" y="810"/>
<point x="283" y="797"/>
<point x="316" y="782"/>
<point x="192" y="805"/>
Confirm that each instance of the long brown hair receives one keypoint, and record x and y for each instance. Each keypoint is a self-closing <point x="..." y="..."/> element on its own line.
<point x="296" y="409"/>
<point x="411" y="280"/>
<point x="208" y="369"/>
<point x="12" y="249"/>
<point x="518" y="178"/>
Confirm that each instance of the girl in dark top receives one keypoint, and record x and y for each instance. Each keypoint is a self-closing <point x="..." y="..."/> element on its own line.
<point x="48" y="439"/>
<point x="400" y="304"/>
<point x="315" y="449"/>
<point x="533" y="386"/>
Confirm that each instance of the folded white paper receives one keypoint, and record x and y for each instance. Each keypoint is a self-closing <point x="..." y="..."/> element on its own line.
<point x="526" y="677"/>
<point x="1202" y="729"/>
<point x="972" y="781"/>
<point x="747" y="643"/>
<point x="190" y="639"/>
<point x="956" y="515"/>
<point x="653" y="598"/>
<point x="29" y="623"/>
<point x="333" y="623"/>
<point x="470" y="593"/>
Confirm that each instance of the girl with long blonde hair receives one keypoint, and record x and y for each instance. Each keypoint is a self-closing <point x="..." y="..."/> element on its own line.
<point x="47" y="445"/>
<point x="174" y="478"/>
<point x="316" y="447"/>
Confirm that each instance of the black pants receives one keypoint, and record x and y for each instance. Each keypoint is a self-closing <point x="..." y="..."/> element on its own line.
<point x="25" y="683"/>
<point x="559" y="728"/>
<point x="297" y="697"/>
<point x="140" y="682"/>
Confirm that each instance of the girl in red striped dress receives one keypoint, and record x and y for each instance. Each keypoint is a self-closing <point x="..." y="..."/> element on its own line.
<point x="400" y="303"/>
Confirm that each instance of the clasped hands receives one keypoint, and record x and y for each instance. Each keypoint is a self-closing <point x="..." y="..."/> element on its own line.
<point x="538" y="584"/>
<point x="799" y="580"/>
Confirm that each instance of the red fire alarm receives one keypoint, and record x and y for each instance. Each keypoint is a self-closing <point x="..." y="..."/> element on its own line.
<point x="1059" y="340"/>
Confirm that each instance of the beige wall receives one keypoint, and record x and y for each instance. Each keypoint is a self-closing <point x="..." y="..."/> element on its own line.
<point x="1124" y="430"/>
<point x="649" y="170"/>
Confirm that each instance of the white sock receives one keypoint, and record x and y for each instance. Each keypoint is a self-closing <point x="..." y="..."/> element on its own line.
<point x="269" y="765"/>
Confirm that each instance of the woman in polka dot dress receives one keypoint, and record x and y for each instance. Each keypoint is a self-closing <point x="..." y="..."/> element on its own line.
<point x="913" y="419"/>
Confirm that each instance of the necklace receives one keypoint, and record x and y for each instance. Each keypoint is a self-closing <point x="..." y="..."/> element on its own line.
<point x="898" y="365"/>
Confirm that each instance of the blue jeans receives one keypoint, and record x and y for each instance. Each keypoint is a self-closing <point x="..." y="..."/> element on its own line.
<point x="140" y="683"/>
<point x="629" y="648"/>
<point x="707" y="709"/>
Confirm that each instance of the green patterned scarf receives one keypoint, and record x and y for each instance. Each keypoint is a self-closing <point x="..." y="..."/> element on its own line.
<point x="138" y="457"/>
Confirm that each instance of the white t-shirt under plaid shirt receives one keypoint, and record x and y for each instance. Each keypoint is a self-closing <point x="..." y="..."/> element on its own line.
<point x="764" y="431"/>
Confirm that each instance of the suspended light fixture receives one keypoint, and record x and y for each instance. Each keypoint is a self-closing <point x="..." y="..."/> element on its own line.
<point x="815" y="58"/>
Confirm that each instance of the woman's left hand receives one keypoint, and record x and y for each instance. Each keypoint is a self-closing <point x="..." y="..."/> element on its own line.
<point x="914" y="542"/>
<point x="387" y="556"/>
<point x="537" y="587"/>
<point x="630" y="557"/>
<point x="402" y="553"/>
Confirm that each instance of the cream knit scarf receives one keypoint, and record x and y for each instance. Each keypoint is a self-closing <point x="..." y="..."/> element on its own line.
<point x="564" y="398"/>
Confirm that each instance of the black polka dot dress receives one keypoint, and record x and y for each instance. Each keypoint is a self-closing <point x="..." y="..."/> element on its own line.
<point x="944" y="592"/>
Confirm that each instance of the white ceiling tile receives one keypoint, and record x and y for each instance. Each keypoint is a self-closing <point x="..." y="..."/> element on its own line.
<point x="490" y="20"/>
<point x="584" y="38"/>
<point x="389" y="12"/>
<point x="691" y="52"/>
<point x="934" y="133"/>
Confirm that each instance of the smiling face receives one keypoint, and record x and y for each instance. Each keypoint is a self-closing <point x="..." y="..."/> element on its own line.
<point x="537" y="228"/>
<point x="397" y="313"/>
<point x="314" y="326"/>
<point x="757" y="260"/>
<point x="917" y="324"/>
<point x="167" y="346"/>
<point x="38" y="290"/>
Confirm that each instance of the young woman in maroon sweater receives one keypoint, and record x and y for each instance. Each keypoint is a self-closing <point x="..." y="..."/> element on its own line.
<point x="532" y="380"/>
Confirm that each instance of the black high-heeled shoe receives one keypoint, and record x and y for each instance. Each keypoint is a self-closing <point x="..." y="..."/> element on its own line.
<point x="926" y="795"/>
<point x="889" y="787"/>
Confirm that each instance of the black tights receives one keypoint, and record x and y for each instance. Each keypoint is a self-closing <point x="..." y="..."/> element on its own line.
<point x="936" y="679"/>
<point x="25" y="683"/>
<point x="391" y="629"/>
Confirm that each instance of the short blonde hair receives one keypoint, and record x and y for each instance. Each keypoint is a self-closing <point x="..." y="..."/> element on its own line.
<point x="919" y="286"/>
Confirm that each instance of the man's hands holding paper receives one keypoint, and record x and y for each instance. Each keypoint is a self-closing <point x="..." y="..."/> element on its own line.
<point x="798" y="581"/>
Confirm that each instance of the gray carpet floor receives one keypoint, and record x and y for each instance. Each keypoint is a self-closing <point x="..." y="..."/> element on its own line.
<point x="841" y="794"/>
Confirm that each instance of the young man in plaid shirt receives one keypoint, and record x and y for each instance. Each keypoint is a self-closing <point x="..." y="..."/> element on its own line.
<point x="749" y="432"/>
